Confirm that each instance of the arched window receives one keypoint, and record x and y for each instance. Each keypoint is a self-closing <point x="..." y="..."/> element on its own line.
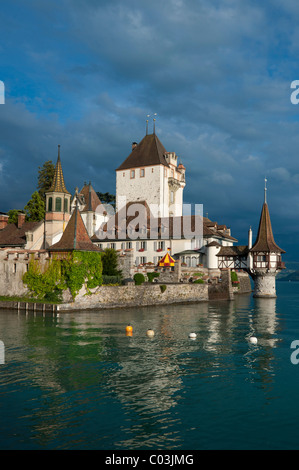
<point x="58" y="204"/>
<point x="50" y="204"/>
<point x="66" y="205"/>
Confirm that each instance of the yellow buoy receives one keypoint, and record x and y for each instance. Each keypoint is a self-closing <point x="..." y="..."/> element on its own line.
<point x="129" y="329"/>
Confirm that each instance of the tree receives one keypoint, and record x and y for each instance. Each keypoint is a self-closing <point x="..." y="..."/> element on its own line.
<point x="13" y="216"/>
<point x="35" y="208"/>
<point x="110" y="262"/>
<point x="45" y="178"/>
<point x="107" y="198"/>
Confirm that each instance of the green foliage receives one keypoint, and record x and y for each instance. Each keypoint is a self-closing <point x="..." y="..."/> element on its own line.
<point x="43" y="283"/>
<point x="71" y="272"/>
<point x="163" y="288"/>
<point x="35" y="208"/>
<point x="107" y="198"/>
<point x="139" y="279"/>
<point x="115" y="280"/>
<point x="199" y="281"/>
<point x="82" y="267"/>
<point x="151" y="276"/>
<point x="110" y="262"/>
<point x="45" y="178"/>
<point x="13" y="216"/>
<point x="234" y="276"/>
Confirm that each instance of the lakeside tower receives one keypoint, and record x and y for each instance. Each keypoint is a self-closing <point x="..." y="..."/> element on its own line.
<point x="264" y="258"/>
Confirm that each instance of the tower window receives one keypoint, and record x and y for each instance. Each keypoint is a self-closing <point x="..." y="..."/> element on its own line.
<point x="132" y="174"/>
<point x="142" y="173"/>
<point x="50" y="204"/>
<point x="66" y="205"/>
<point x="58" y="204"/>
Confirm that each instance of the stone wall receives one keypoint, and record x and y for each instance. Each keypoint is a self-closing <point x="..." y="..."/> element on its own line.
<point x="222" y="290"/>
<point x="13" y="265"/>
<point x="134" y="296"/>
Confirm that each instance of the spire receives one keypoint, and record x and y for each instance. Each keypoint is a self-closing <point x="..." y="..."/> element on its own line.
<point x="265" y="191"/>
<point x="265" y="240"/>
<point x="58" y="180"/>
<point x="75" y="236"/>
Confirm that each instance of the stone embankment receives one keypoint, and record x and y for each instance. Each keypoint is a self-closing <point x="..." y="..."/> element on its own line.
<point x="137" y="296"/>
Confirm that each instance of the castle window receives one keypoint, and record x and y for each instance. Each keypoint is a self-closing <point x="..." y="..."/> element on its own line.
<point x="50" y="203"/>
<point x="58" y="204"/>
<point x="132" y="174"/>
<point x="66" y="206"/>
<point x="124" y="174"/>
<point x="141" y="172"/>
<point x="172" y="197"/>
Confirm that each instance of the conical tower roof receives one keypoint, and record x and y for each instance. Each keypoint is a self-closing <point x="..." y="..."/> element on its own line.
<point x="58" y="184"/>
<point x="265" y="239"/>
<point x="75" y="236"/>
<point x="150" y="151"/>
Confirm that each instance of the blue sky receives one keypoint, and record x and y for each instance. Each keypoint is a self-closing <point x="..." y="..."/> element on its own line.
<point x="84" y="74"/>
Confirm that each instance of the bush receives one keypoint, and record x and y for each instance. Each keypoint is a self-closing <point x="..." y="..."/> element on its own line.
<point x="234" y="276"/>
<point x="199" y="281"/>
<point x="111" y="279"/>
<point x="163" y="288"/>
<point x="139" y="279"/>
<point x="152" y="275"/>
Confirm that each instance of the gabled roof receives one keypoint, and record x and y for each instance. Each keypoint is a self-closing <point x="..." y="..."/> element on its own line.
<point x="240" y="250"/>
<point x="58" y="184"/>
<point x="75" y="236"/>
<point x="11" y="235"/>
<point x="265" y="240"/>
<point x="150" y="151"/>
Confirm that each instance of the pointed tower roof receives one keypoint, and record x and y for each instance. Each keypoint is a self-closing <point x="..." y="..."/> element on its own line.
<point x="265" y="239"/>
<point x="58" y="180"/>
<point x="75" y="236"/>
<point x="91" y="198"/>
<point x="150" y="151"/>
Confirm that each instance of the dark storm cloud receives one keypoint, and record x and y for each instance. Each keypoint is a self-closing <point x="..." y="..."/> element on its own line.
<point x="217" y="73"/>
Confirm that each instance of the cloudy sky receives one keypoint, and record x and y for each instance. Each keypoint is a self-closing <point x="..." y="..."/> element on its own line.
<point x="85" y="73"/>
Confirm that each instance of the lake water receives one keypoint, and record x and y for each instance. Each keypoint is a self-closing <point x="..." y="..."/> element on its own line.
<point x="76" y="381"/>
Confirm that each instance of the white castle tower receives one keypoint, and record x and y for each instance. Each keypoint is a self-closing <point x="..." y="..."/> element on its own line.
<point x="264" y="258"/>
<point x="152" y="174"/>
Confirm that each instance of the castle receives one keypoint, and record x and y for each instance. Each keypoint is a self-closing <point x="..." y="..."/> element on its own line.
<point x="149" y="221"/>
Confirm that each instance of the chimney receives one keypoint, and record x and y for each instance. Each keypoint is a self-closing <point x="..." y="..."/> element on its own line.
<point x="134" y="145"/>
<point x="21" y="219"/>
<point x="3" y="221"/>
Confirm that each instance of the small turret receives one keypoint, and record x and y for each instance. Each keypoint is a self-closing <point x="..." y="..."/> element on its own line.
<point x="265" y="256"/>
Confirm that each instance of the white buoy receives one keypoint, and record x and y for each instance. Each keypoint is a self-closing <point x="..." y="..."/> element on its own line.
<point x="253" y="340"/>
<point x="150" y="332"/>
<point x="192" y="335"/>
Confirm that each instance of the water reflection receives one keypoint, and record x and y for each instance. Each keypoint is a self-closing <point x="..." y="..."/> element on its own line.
<point x="83" y="370"/>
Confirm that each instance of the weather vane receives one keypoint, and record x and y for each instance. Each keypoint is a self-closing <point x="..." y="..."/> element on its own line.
<point x="266" y="189"/>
